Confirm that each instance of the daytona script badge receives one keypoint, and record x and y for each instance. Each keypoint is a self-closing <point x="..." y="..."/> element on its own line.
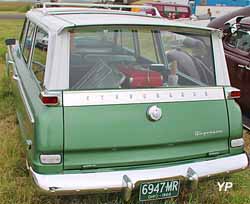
<point x="154" y="113"/>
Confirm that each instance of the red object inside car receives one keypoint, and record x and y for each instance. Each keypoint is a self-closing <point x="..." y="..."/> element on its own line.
<point x="139" y="78"/>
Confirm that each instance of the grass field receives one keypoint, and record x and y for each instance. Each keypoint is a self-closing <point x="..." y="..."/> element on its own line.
<point x="14" y="6"/>
<point x="16" y="186"/>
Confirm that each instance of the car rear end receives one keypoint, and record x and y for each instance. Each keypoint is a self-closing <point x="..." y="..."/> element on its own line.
<point x="143" y="107"/>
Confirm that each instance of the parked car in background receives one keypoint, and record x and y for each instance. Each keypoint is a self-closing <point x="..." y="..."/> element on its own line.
<point x="220" y="21"/>
<point x="120" y="101"/>
<point x="42" y="40"/>
<point x="236" y="41"/>
<point x="172" y="11"/>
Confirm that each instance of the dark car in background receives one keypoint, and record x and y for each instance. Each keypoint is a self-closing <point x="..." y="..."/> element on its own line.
<point x="220" y="21"/>
<point x="236" y="42"/>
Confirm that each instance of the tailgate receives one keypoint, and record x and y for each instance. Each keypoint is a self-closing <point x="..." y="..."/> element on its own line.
<point x="112" y="129"/>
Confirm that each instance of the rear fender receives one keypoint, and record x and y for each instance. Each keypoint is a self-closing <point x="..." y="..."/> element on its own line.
<point x="235" y="123"/>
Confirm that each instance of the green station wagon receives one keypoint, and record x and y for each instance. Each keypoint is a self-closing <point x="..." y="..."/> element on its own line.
<point x="114" y="101"/>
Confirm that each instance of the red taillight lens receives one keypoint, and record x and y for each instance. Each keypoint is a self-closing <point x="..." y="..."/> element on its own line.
<point x="49" y="100"/>
<point x="234" y="94"/>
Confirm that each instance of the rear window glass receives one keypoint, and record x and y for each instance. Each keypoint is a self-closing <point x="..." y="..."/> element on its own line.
<point x="28" y="41"/>
<point x="169" y="8"/>
<point x="40" y="55"/>
<point x="132" y="58"/>
<point x="24" y="30"/>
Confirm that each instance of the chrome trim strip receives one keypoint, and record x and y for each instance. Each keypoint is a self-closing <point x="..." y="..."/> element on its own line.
<point x="108" y="181"/>
<point x="246" y="122"/>
<point x="134" y="96"/>
<point x="246" y="127"/>
<point x="25" y="100"/>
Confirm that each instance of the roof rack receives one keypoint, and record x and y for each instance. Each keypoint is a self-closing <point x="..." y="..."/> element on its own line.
<point x="101" y="6"/>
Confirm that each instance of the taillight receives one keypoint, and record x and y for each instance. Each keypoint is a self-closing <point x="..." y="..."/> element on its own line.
<point x="234" y="94"/>
<point x="49" y="100"/>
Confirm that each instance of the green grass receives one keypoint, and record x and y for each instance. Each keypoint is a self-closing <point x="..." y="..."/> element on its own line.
<point x="9" y="29"/>
<point x="16" y="186"/>
<point x="14" y="6"/>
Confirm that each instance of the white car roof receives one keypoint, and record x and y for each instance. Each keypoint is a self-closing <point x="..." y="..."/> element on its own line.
<point x="57" y="19"/>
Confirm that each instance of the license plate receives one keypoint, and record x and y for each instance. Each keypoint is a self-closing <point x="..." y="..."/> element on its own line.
<point x="159" y="190"/>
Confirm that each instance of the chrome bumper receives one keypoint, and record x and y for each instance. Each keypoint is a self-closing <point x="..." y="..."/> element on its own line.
<point x="127" y="180"/>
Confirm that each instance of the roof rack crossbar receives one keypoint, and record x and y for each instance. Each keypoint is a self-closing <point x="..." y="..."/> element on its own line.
<point x="101" y="6"/>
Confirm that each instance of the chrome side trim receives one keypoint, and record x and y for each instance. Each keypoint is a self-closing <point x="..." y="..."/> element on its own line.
<point x="246" y="122"/>
<point x="118" y="180"/>
<point x="25" y="100"/>
<point x="134" y="96"/>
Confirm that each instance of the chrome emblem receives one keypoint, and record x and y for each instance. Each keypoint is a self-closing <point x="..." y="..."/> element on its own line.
<point x="154" y="113"/>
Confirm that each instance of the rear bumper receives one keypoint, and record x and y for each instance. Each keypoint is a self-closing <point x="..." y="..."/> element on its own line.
<point x="127" y="180"/>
